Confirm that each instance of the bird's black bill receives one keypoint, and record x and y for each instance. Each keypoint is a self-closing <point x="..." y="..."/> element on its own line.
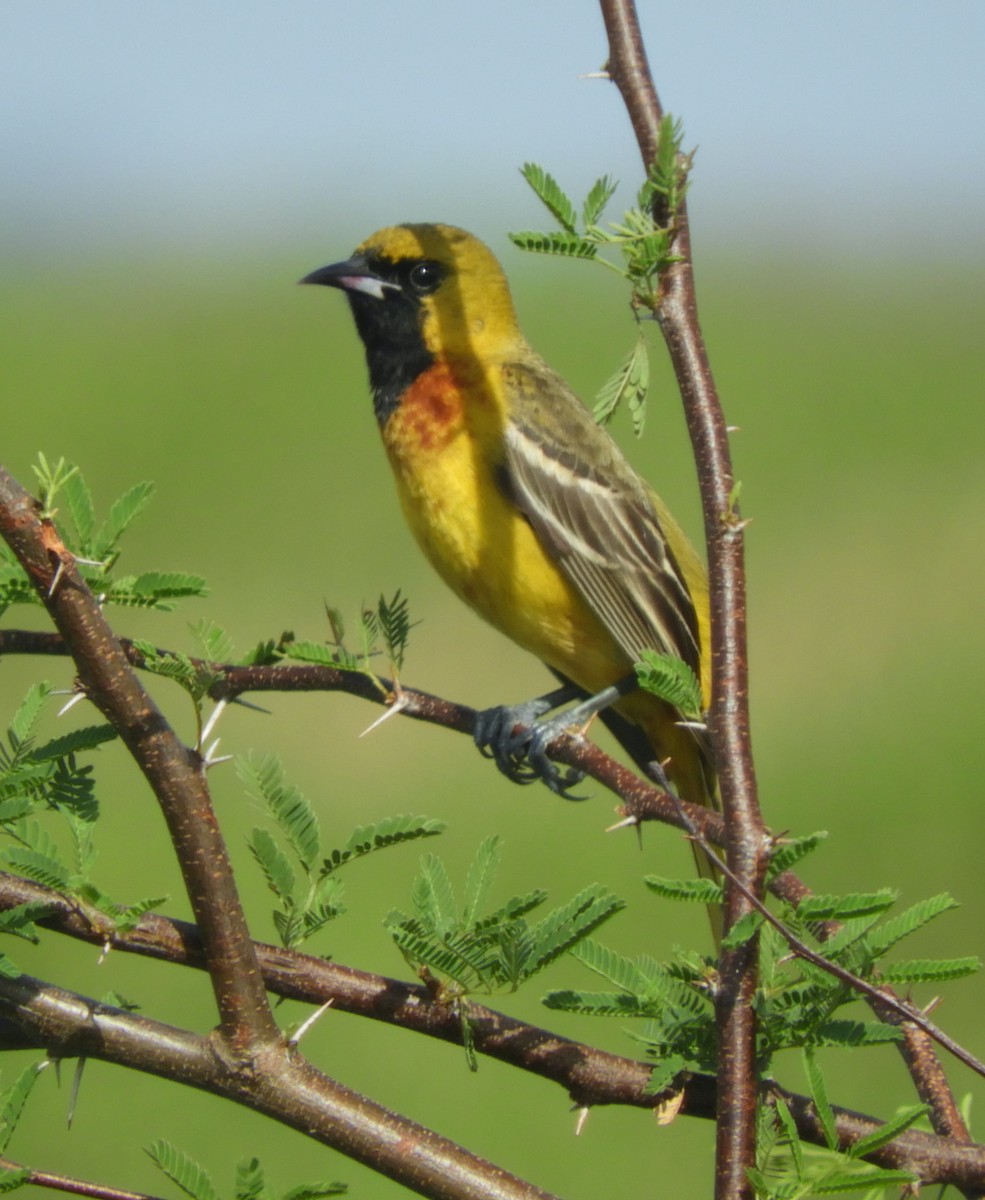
<point x="353" y="275"/>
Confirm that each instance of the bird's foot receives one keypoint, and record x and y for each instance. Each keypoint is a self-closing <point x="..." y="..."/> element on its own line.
<point x="517" y="740"/>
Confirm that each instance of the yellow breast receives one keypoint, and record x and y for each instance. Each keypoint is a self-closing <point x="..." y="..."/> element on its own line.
<point x="444" y="442"/>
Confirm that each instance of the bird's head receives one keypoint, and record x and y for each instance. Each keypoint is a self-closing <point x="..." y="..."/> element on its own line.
<point x="426" y="291"/>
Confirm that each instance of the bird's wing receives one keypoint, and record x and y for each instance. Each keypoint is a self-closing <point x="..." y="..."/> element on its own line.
<point x="595" y="516"/>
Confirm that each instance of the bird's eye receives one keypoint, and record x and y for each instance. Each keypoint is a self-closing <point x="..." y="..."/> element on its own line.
<point x="424" y="277"/>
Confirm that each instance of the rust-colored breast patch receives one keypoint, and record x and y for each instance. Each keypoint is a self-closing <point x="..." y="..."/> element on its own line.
<point x="429" y="413"/>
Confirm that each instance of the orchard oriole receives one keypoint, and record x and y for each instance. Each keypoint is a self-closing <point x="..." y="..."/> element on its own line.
<point x="524" y="505"/>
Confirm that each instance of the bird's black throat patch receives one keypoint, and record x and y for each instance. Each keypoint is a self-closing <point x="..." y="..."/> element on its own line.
<point x="395" y="351"/>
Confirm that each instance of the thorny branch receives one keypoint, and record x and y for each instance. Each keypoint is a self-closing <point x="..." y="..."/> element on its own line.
<point x="590" y="1076"/>
<point x="248" y="1060"/>
<point x="641" y="802"/>
<point x="175" y="772"/>
<point x="747" y="849"/>
<point x="279" y="1083"/>
<point x="747" y="846"/>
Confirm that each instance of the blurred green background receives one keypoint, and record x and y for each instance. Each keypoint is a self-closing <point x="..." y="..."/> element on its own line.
<point x="854" y="373"/>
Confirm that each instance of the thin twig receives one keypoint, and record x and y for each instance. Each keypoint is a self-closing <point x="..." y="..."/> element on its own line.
<point x="746" y="851"/>
<point x="881" y="997"/>
<point x="75" y="1187"/>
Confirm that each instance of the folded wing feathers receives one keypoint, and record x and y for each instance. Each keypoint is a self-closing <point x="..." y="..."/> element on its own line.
<point x="608" y="541"/>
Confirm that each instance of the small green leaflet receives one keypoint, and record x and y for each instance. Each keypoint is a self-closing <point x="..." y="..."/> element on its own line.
<point x="51" y="479"/>
<point x="909" y="921"/>
<point x="672" y="680"/>
<point x="122" y="513"/>
<point x="628" y="385"/>
<point x="183" y="1171"/>
<point x="79" y="501"/>
<point x="12" y="1102"/>
<point x="747" y="926"/>
<point x="286" y="804"/>
<point x="570" y="245"/>
<point x="549" y="191"/>
<point x="701" y="891"/>
<point x="598" y="197"/>
<point x="929" y="970"/>
<point x="788" y="852"/>
<point x="22" y="726"/>
<point x="819" y="1094"/>
<point x="843" y="908"/>
<point x="391" y="831"/>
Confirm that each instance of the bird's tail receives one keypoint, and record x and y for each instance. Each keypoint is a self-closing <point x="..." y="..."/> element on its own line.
<point x="686" y="759"/>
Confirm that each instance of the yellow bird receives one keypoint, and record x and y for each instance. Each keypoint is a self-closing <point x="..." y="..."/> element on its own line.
<point x="523" y="504"/>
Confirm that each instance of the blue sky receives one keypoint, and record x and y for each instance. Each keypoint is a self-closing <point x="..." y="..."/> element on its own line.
<point x="202" y="123"/>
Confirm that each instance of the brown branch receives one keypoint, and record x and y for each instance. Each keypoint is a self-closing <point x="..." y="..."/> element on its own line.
<point x="590" y="1076"/>
<point x="642" y="802"/>
<point x="277" y="1083"/>
<point x="677" y="313"/>
<point x="747" y="846"/>
<point x="175" y="772"/>
<point x="638" y="796"/>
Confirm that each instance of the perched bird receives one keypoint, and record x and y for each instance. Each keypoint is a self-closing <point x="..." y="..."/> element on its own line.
<point x="523" y="504"/>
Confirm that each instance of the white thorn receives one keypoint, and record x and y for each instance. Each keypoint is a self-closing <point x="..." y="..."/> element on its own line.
<point x="582" y="1119"/>
<point x="107" y="946"/>
<point x="57" y="578"/>
<point x="625" y="823"/>
<point x="306" y="1025"/>
<point x="214" y="716"/>
<point x="211" y="759"/>
<point x="400" y="702"/>
<point x="73" y="1097"/>
<point x="700" y="726"/>
<point x="71" y="703"/>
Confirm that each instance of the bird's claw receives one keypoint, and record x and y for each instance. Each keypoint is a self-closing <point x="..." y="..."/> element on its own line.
<point x="517" y="742"/>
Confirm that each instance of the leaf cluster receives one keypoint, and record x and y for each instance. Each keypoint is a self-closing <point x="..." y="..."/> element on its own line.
<point x="459" y="949"/>
<point x="479" y="951"/>
<point x="298" y="870"/>
<point x="640" y="249"/>
<point x="787" y="1170"/>
<point x="95" y="545"/>
<point x="44" y="780"/>
<point x="799" y="1003"/>
<point x="388" y="623"/>
<point x="250" y="1181"/>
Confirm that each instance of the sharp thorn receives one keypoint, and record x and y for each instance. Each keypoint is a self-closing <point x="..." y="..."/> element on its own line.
<point x="400" y="702"/>
<point x="306" y="1024"/>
